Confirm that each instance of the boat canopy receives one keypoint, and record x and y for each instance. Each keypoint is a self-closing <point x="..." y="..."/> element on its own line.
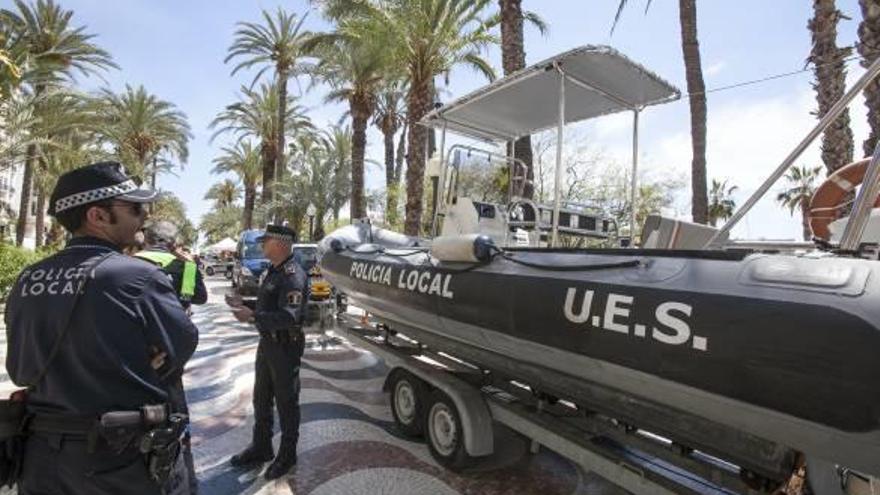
<point x="599" y="81"/>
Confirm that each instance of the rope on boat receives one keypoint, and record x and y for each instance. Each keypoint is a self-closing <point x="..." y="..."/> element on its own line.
<point x="571" y="268"/>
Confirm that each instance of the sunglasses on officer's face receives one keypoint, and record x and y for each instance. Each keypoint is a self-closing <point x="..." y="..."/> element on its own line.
<point x="136" y="208"/>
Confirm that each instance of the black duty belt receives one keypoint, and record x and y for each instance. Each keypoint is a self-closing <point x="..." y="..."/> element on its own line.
<point x="62" y="423"/>
<point x="284" y="336"/>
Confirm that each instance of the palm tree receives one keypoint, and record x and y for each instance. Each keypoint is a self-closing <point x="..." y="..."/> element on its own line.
<point x="513" y="58"/>
<point x="799" y="193"/>
<point x="829" y="67"/>
<point x="140" y="127"/>
<point x="243" y="160"/>
<point x="224" y="193"/>
<point x="389" y="117"/>
<point x="353" y="61"/>
<point x="429" y="38"/>
<point x="339" y="142"/>
<point x="721" y="202"/>
<point x="256" y="116"/>
<point x="869" y="48"/>
<point x="275" y="44"/>
<point x="56" y="50"/>
<point x="690" y="47"/>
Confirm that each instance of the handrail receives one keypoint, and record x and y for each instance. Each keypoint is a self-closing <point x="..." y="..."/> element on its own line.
<point x="824" y="122"/>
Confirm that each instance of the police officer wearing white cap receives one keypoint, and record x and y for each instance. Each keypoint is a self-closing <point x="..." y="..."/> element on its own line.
<point x="278" y="314"/>
<point x="97" y="337"/>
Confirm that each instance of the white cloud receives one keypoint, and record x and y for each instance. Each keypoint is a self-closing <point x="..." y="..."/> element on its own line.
<point x="715" y="69"/>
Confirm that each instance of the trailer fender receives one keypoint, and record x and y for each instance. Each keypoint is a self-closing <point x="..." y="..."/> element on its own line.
<point x="475" y="417"/>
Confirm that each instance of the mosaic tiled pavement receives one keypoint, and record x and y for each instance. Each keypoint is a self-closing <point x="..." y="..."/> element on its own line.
<point x="348" y="441"/>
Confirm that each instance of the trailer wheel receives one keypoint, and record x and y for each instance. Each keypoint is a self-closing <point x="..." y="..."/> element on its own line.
<point x="445" y="433"/>
<point x="408" y="396"/>
<point x="209" y="271"/>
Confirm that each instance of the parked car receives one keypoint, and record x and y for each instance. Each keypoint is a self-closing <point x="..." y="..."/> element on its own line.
<point x="213" y="264"/>
<point x="249" y="263"/>
<point x="322" y="297"/>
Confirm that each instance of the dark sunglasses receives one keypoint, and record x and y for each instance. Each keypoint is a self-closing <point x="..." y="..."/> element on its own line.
<point x="136" y="208"/>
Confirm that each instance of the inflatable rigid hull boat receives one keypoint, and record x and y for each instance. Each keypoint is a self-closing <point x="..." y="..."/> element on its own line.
<point x="750" y="357"/>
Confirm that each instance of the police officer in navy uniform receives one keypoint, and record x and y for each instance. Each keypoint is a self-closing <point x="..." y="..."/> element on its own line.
<point x="278" y="314"/>
<point x="125" y="337"/>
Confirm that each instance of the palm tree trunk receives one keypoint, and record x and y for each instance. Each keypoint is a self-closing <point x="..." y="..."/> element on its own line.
<point x="40" y="221"/>
<point x="690" y="47"/>
<point x="359" y="121"/>
<point x="401" y="154"/>
<point x="267" y="157"/>
<point x="869" y="49"/>
<point x="830" y="71"/>
<point x="805" y="218"/>
<point x="282" y="112"/>
<point x="418" y="104"/>
<point x="247" y="216"/>
<point x="24" y="204"/>
<point x="513" y="58"/>
<point x="390" y="189"/>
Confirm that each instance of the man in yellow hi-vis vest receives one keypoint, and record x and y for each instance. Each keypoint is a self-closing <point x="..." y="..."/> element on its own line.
<point x="160" y="248"/>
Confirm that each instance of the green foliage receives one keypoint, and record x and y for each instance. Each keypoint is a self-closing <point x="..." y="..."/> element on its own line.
<point x="220" y="223"/>
<point x="721" y="202"/>
<point x="12" y="261"/>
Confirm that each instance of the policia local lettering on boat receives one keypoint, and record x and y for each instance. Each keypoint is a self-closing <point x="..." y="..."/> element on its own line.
<point x="670" y="325"/>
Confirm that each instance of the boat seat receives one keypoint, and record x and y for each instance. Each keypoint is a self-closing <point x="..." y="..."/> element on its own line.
<point x="668" y="233"/>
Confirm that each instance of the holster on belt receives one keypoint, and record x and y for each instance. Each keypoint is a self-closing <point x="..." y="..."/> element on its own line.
<point x="13" y="417"/>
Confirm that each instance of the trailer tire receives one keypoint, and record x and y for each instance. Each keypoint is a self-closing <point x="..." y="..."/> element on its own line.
<point x="408" y="396"/>
<point x="444" y="432"/>
<point x="209" y="271"/>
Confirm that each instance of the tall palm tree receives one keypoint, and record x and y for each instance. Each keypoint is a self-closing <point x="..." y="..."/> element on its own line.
<point x="869" y="48"/>
<point x="513" y="58"/>
<point x="256" y="116"/>
<point x="275" y="44"/>
<point x="696" y="87"/>
<point x="224" y="193"/>
<point x="829" y="67"/>
<point x="798" y="194"/>
<point x="140" y="127"/>
<point x="353" y="62"/>
<point x="721" y="202"/>
<point x="56" y="50"/>
<point x="390" y="116"/>
<point x="339" y="142"/>
<point x="242" y="159"/>
<point x="429" y="38"/>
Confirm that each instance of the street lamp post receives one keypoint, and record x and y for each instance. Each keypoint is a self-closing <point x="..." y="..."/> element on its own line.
<point x="310" y="211"/>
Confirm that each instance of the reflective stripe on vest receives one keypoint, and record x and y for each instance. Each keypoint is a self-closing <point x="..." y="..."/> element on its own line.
<point x="188" y="281"/>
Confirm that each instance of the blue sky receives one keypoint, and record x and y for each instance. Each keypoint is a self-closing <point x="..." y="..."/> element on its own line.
<point x="176" y="50"/>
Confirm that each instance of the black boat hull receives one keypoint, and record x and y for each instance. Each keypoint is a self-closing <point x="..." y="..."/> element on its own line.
<point x="779" y="352"/>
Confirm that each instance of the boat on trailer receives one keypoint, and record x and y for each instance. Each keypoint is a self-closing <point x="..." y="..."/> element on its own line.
<point x="756" y="355"/>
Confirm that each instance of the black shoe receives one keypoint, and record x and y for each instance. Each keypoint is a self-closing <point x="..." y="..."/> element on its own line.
<point x="251" y="455"/>
<point x="280" y="466"/>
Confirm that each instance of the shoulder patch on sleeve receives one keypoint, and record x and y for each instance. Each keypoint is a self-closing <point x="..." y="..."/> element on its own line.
<point x="294" y="297"/>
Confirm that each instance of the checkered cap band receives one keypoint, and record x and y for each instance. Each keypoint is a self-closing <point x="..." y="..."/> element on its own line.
<point x="87" y="197"/>
<point x="283" y="237"/>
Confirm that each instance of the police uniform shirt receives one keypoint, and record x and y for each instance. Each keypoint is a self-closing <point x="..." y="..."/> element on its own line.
<point x="281" y="301"/>
<point x="128" y="308"/>
<point x="175" y="274"/>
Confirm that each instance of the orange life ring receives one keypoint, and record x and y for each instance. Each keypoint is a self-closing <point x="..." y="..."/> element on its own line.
<point x="825" y="206"/>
